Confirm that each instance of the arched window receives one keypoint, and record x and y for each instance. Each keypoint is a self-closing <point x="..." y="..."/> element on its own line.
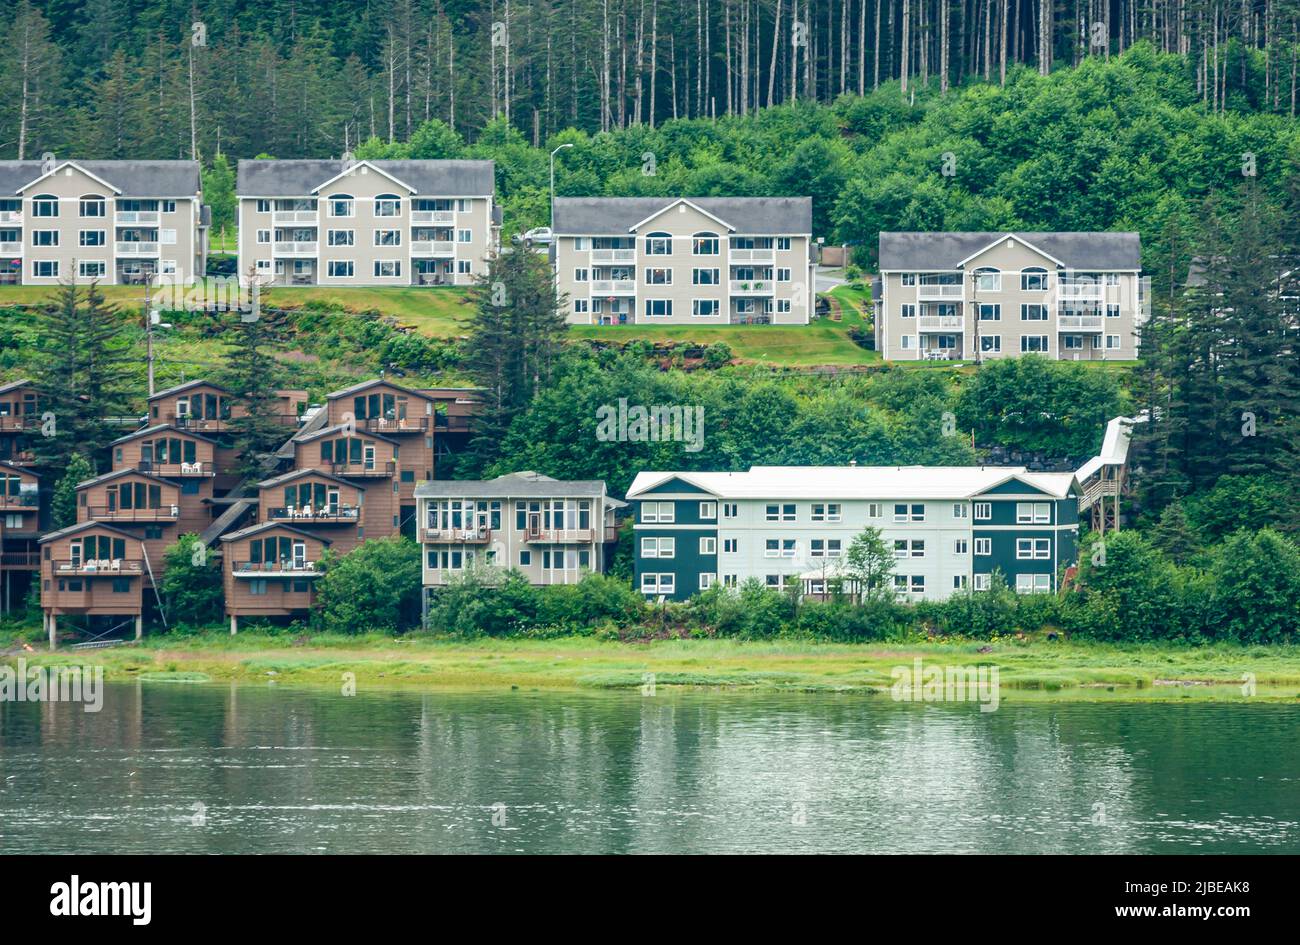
<point x="45" y="205"/>
<point x="342" y="205"/>
<point x="988" y="279"/>
<point x="705" y="244"/>
<point x="1033" y="279"/>
<point x="388" y="205"/>
<point x="93" y="205"/>
<point x="659" y="244"/>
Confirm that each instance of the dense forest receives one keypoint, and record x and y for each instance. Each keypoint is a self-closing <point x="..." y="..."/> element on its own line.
<point x="180" y="78"/>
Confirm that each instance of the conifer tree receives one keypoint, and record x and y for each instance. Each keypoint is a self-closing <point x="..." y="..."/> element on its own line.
<point x="253" y="375"/>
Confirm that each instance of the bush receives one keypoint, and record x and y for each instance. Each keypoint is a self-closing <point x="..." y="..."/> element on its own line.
<point x="374" y="587"/>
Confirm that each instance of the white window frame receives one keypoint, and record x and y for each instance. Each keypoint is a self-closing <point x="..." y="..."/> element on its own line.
<point x="709" y="510"/>
<point x="983" y="547"/>
<point x="1033" y="513"/>
<point x="708" y="545"/>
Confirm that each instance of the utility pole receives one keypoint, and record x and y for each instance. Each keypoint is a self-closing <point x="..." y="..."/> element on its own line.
<point x="553" y="153"/>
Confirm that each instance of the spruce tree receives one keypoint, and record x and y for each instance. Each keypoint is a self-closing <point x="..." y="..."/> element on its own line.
<point x="63" y="504"/>
<point x="253" y="376"/>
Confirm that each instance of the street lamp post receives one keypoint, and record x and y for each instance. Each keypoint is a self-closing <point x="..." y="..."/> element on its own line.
<point x="553" y="153"/>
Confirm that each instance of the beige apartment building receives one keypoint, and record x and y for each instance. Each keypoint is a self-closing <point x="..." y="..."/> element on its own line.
<point x="684" y="260"/>
<point x="974" y="296"/>
<point x="115" y="222"/>
<point x="366" y="223"/>
<point x="552" y="531"/>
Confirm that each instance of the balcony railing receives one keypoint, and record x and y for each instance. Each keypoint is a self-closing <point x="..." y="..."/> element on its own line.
<point x="11" y="216"/>
<point x="24" y="500"/>
<point x="16" y="423"/>
<point x="291" y="248"/>
<point x="136" y="217"/>
<point x="941" y="291"/>
<point x="131" y="248"/>
<point x="20" y="560"/>
<point x="435" y="217"/>
<point x="11" y="249"/>
<point x="460" y="536"/>
<point x="210" y="424"/>
<point x="176" y="469"/>
<point x="1080" y="323"/>
<point x="376" y="470"/>
<point x="1080" y="290"/>
<point x="329" y="515"/>
<point x="607" y="256"/>
<point x="433" y="248"/>
<point x="290" y="568"/>
<point x="110" y="566"/>
<point x="560" y="536"/>
<point x="166" y="513"/>
<point x="750" y="286"/>
<point x="291" y="217"/>
<point x="939" y="323"/>
<point x="395" y="425"/>
<point x="613" y="287"/>
<point x="752" y="255"/>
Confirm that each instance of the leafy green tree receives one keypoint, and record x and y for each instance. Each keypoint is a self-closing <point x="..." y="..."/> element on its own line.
<point x="1257" y="588"/>
<point x="219" y="193"/>
<point x="63" y="504"/>
<point x="1130" y="590"/>
<point x="375" y="587"/>
<point x="191" y="583"/>
<point x="869" y="565"/>
<point x="1174" y="536"/>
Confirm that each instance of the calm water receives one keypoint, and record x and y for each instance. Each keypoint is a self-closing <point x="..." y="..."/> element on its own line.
<point x="281" y="770"/>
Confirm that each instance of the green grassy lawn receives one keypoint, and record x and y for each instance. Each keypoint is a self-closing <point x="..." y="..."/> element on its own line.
<point x="1028" y="671"/>
<point x="436" y="311"/>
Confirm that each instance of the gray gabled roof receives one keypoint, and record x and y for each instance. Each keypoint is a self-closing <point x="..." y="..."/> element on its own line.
<point x="366" y="385"/>
<point x="298" y="474"/>
<point x="132" y="178"/>
<point x="615" y="216"/>
<point x="308" y="436"/>
<point x="14" y="385"/>
<point x="268" y="526"/>
<point x="159" y="428"/>
<point x="921" y="252"/>
<point x="300" y="178"/>
<point x="118" y="474"/>
<point x="518" y="485"/>
<point x="83" y="526"/>
<point x="189" y="385"/>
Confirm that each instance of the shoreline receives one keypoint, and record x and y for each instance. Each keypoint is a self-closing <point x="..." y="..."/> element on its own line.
<point x="1058" y="671"/>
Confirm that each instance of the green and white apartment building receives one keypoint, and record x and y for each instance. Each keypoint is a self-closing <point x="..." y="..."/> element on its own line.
<point x="951" y="527"/>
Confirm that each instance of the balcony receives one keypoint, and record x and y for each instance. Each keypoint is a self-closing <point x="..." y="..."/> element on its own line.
<point x="29" y="501"/>
<point x="290" y="248"/>
<point x="940" y="323"/>
<point x="201" y="424"/>
<point x="165" y="513"/>
<point x="137" y="217"/>
<point x="751" y="286"/>
<point x="110" y="566"/>
<point x="613" y="287"/>
<point x="437" y="248"/>
<point x="364" y="470"/>
<point x="167" y="470"/>
<point x="294" y="217"/>
<point x="433" y="217"/>
<point x="560" y="536"/>
<point x="939" y="292"/>
<point x="753" y="255"/>
<point x="306" y="515"/>
<point x="10" y="423"/>
<point x="11" y="216"/>
<point x="20" y="560"/>
<point x="457" y="536"/>
<point x="605" y="257"/>
<point x="297" y="568"/>
<point x="389" y="425"/>
<point x="1092" y="291"/>
<point x="11" y="249"/>
<point x="1080" y="323"/>
<point x="136" y="249"/>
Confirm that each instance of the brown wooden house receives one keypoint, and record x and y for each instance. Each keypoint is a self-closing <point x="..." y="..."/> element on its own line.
<point x="92" y="569"/>
<point x="20" y="418"/>
<point x="270" y="569"/>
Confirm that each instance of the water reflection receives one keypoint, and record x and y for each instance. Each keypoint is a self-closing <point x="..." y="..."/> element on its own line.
<point x="287" y="770"/>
